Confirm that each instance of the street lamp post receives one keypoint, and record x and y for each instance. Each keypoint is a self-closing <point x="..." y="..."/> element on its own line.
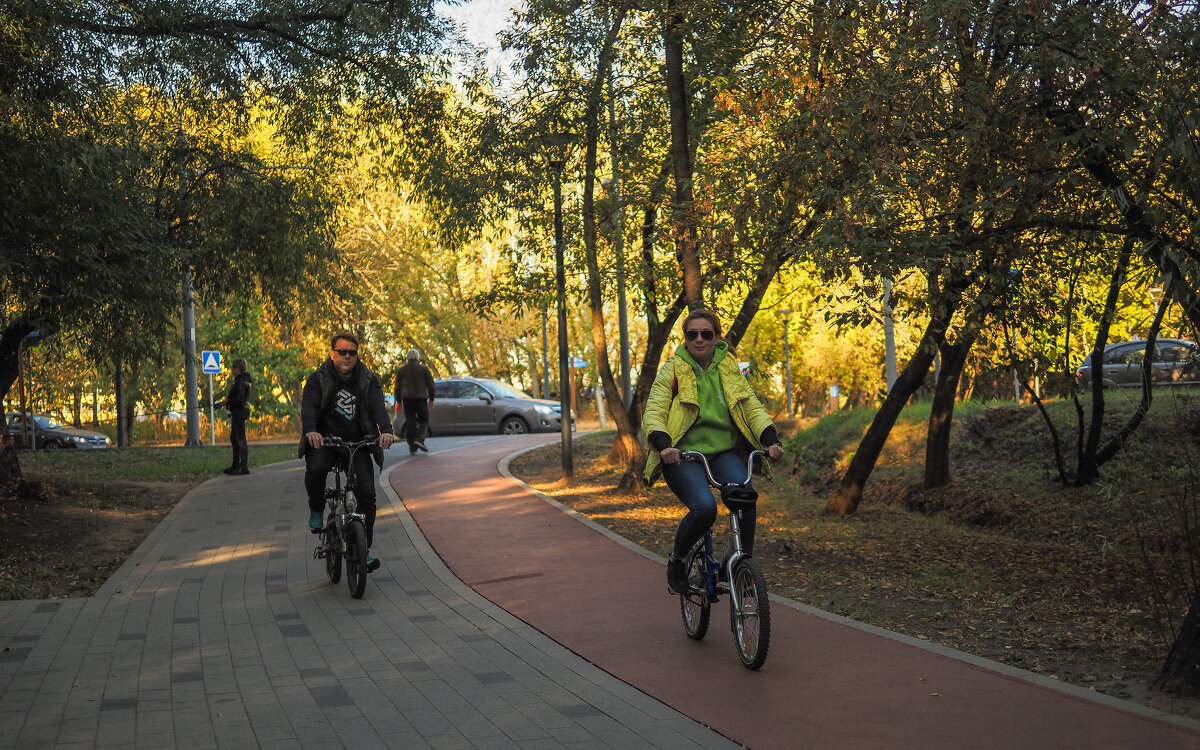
<point x="189" y="363"/>
<point x="787" y="359"/>
<point x="557" y="147"/>
<point x="545" y="358"/>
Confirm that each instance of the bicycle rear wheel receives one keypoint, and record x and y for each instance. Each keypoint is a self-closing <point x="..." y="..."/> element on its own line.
<point x="333" y="552"/>
<point x="356" y="558"/>
<point x="694" y="606"/>
<point x="751" y="623"/>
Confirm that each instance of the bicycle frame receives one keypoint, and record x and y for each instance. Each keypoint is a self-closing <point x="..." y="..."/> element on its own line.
<point x="343" y="504"/>
<point x="728" y="490"/>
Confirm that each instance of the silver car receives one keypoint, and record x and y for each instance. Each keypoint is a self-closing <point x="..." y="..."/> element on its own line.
<point x="479" y="406"/>
<point x="1175" y="362"/>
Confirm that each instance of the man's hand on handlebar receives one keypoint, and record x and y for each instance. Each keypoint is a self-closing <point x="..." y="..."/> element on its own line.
<point x="314" y="439"/>
<point x="386" y="439"/>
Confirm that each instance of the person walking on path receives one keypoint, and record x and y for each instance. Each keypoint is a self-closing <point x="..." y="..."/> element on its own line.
<point x="344" y="399"/>
<point x="700" y="401"/>
<point x="414" y="391"/>
<point x="237" y="403"/>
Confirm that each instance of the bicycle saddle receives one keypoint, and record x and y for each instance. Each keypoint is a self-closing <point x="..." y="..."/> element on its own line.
<point x="739" y="498"/>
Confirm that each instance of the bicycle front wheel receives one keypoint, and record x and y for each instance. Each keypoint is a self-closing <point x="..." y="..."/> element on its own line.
<point x="750" y="619"/>
<point x="356" y="558"/>
<point x="694" y="606"/>
<point x="333" y="552"/>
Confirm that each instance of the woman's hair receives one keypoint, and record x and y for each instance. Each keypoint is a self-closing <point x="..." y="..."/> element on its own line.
<point x="342" y="336"/>
<point x="708" y="315"/>
<point x="238" y="364"/>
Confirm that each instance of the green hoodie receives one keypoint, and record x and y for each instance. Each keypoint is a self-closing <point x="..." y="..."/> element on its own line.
<point x="714" y="431"/>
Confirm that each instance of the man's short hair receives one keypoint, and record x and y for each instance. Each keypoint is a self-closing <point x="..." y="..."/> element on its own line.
<point x="414" y="355"/>
<point x="342" y="336"/>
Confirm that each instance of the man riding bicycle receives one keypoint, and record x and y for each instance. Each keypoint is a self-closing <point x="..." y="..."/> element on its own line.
<point x="701" y="401"/>
<point x="343" y="398"/>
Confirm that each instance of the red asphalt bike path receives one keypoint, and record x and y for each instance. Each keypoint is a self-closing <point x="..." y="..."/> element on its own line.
<point x="826" y="683"/>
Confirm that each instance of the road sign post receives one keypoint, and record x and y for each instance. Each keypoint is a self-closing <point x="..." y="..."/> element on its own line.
<point x="210" y="362"/>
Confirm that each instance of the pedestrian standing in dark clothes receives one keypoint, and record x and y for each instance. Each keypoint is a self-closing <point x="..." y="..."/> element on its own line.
<point x="237" y="402"/>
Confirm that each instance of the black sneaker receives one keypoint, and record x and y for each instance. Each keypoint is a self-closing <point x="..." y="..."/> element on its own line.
<point x="677" y="576"/>
<point x="241" y="471"/>
<point x="230" y="470"/>
<point x="372" y="564"/>
<point x="421" y="446"/>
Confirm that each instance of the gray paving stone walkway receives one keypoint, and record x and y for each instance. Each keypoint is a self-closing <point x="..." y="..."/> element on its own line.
<point x="222" y="631"/>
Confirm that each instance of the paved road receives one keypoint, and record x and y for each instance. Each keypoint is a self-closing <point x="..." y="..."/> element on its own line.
<point x="222" y="631"/>
<point x="827" y="683"/>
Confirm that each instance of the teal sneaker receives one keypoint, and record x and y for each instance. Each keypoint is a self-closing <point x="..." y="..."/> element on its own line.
<point x="314" y="520"/>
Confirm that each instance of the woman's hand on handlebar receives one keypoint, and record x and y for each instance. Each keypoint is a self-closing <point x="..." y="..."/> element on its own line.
<point x="314" y="439"/>
<point x="775" y="451"/>
<point x="669" y="455"/>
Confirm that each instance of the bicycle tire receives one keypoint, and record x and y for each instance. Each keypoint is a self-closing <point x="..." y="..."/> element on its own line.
<point x="356" y="558"/>
<point x="752" y="624"/>
<point x="694" y="606"/>
<point x="333" y="553"/>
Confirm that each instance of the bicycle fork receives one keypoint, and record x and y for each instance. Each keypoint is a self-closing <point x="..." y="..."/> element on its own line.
<point x="735" y="530"/>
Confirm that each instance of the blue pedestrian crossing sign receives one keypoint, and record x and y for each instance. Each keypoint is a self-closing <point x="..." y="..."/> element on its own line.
<point x="210" y="362"/>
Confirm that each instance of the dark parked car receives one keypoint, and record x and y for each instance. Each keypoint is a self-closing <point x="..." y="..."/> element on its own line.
<point x="1175" y="362"/>
<point x="47" y="433"/>
<point x="480" y="406"/>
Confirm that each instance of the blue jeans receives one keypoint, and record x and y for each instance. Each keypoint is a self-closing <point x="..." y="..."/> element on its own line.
<point x="686" y="479"/>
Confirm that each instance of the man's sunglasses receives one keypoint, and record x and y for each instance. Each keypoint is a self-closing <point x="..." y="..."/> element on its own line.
<point x="347" y="352"/>
<point x="706" y="334"/>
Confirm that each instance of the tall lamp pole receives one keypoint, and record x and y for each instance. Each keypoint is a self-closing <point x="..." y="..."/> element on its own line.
<point x="545" y="358"/>
<point x="190" y="386"/>
<point x="787" y="359"/>
<point x="189" y="363"/>
<point x="557" y="148"/>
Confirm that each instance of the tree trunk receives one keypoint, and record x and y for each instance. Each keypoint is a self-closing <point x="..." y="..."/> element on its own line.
<point x="683" y="220"/>
<point x="941" y="414"/>
<point x="626" y="433"/>
<point x="10" y="365"/>
<point x="1181" y="670"/>
<point x="845" y="499"/>
<point x="1117" y="443"/>
<point x="1086" y="466"/>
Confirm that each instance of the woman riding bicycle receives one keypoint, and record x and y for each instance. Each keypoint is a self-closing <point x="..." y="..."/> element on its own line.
<point x="701" y="401"/>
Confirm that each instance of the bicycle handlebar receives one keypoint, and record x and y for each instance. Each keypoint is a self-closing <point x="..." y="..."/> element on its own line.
<point x="334" y="441"/>
<point x="698" y="456"/>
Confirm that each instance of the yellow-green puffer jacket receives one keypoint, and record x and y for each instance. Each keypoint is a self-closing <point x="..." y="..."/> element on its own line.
<point x="674" y="411"/>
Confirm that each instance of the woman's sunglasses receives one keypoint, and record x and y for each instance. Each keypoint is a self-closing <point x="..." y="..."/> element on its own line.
<point x="706" y="334"/>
